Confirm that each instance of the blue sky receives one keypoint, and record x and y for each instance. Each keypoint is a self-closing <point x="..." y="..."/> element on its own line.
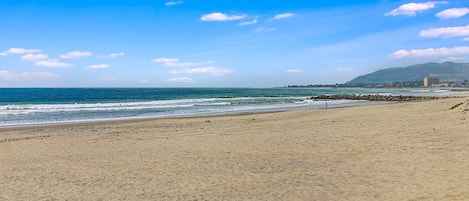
<point x="221" y="43"/>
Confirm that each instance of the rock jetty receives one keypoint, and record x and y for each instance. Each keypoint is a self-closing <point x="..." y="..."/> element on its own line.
<point x="376" y="97"/>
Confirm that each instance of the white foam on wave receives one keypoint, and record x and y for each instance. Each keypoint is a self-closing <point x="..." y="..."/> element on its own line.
<point x="77" y="107"/>
<point x="160" y="104"/>
<point x="39" y="114"/>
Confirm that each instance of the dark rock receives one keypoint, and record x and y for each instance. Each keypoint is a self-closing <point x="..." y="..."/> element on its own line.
<point x="376" y="97"/>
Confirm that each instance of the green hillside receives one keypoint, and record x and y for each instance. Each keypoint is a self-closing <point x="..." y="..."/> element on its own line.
<point x="447" y="71"/>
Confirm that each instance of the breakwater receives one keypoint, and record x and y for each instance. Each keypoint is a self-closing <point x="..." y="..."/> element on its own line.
<point x="376" y="97"/>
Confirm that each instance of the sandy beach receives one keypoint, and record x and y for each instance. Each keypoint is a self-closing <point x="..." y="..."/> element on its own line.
<point x="399" y="151"/>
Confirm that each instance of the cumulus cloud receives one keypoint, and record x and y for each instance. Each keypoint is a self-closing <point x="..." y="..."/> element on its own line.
<point x="173" y="3"/>
<point x="52" y="63"/>
<point x="411" y="9"/>
<point x="283" y="15"/>
<point x="11" y="76"/>
<point x="34" y="57"/>
<point x="265" y="29"/>
<point x="112" y="55"/>
<point x="180" y="80"/>
<point x="166" y="60"/>
<point x="98" y="66"/>
<point x="187" y="64"/>
<point x="222" y="17"/>
<point x="19" y="51"/>
<point x="143" y="81"/>
<point x="431" y="52"/>
<point x="76" y="55"/>
<point x="174" y="62"/>
<point x="248" y="23"/>
<point x="213" y="71"/>
<point x="446" y="32"/>
<point x="453" y="13"/>
<point x="295" y="70"/>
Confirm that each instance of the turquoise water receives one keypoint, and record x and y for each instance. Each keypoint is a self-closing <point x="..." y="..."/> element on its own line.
<point x="31" y="106"/>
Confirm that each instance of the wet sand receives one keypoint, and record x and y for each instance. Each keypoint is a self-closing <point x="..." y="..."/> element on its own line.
<point x="400" y="151"/>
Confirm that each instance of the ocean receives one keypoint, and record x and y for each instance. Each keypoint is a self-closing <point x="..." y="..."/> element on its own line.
<point x="40" y="106"/>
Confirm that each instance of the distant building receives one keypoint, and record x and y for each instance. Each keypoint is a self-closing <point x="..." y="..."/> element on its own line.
<point x="429" y="81"/>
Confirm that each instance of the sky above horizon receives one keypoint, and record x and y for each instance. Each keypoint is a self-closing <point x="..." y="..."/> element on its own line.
<point x="213" y="43"/>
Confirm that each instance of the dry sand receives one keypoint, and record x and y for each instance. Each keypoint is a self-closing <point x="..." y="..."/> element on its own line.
<point x="402" y="151"/>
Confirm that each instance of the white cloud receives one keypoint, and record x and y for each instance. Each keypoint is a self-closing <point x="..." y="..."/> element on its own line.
<point x="453" y="13"/>
<point x="173" y="3"/>
<point x="222" y="17"/>
<point x="431" y="52"/>
<point x="187" y="64"/>
<point x="112" y="55"/>
<point x="454" y="59"/>
<point x="98" y="66"/>
<point x="143" y="81"/>
<point x="174" y="62"/>
<point x="295" y="70"/>
<point x="34" y="57"/>
<point x="180" y="80"/>
<point x="265" y="29"/>
<point x="10" y="76"/>
<point x="283" y="15"/>
<point x="52" y="63"/>
<point x="411" y="9"/>
<point x="446" y="32"/>
<point x="466" y="39"/>
<point x="166" y="60"/>
<point x="213" y="71"/>
<point x="19" y="51"/>
<point x="76" y="55"/>
<point x="248" y="23"/>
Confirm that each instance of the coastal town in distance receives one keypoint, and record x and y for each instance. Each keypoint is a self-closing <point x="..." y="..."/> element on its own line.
<point x="428" y="82"/>
<point x="447" y="75"/>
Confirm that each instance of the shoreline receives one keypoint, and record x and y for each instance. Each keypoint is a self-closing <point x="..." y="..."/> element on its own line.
<point x="401" y="151"/>
<point x="215" y="114"/>
<point x="113" y="122"/>
<point x="44" y="112"/>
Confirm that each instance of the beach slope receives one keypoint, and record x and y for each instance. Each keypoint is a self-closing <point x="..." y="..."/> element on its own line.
<point x="400" y="151"/>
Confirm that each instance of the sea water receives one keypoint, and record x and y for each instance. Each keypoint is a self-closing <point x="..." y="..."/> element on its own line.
<point x="37" y="106"/>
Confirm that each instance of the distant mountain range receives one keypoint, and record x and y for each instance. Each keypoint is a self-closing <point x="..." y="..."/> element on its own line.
<point x="447" y="71"/>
